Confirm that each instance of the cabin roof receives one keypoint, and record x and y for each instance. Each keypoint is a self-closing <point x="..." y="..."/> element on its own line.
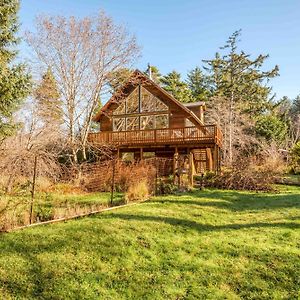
<point x="136" y="78"/>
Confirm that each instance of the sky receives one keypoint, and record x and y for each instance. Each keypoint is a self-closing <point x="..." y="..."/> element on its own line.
<point x="178" y="35"/>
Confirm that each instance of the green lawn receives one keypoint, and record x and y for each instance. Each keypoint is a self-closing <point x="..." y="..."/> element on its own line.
<point x="205" y="245"/>
<point x="52" y="205"/>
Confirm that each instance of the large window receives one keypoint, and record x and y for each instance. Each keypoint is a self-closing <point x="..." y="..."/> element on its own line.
<point x="151" y="103"/>
<point x="132" y="102"/>
<point x="119" y="124"/>
<point x="140" y="111"/>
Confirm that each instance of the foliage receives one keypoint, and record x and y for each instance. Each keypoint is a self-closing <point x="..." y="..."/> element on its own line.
<point x="271" y="127"/>
<point x="295" y="153"/>
<point x="239" y="83"/>
<point x="137" y="191"/>
<point x="247" y="174"/>
<point x="82" y="53"/>
<point x="166" y="187"/>
<point x="197" y="83"/>
<point x="48" y="101"/>
<point x="15" y="82"/>
<point x="118" y="78"/>
<point x="98" y="176"/>
<point x="173" y="84"/>
<point x="210" y="243"/>
<point x="45" y="212"/>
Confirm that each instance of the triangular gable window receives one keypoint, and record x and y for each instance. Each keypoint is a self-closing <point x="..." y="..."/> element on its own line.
<point x="140" y="111"/>
<point x="151" y="103"/>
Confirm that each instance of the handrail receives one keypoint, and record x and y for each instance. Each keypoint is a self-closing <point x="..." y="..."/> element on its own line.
<point x="208" y="133"/>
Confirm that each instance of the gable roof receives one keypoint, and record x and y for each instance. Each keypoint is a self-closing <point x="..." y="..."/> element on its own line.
<point x="136" y="78"/>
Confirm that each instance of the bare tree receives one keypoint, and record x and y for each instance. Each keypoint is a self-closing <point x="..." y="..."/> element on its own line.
<point x="19" y="152"/>
<point x="82" y="53"/>
<point x="235" y="121"/>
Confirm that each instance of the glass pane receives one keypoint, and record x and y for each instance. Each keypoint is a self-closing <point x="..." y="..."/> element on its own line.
<point x="188" y="123"/>
<point x="118" y="124"/>
<point x="147" y="122"/>
<point x="120" y="110"/>
<point x="132" y="123"/>
<point x="148" y="101"/>
<point x="132" y="102"/>
<point x="162" y="121"/>
<point x="160" y="106"/>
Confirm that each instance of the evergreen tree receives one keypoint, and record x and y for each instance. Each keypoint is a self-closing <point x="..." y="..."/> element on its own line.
<point x="15" y="83"/>
<point x="271" y="127"/>
<point x="95" y="126"/>
<point x="295" y="109"/>
<point x="118" y="78"/>
<point x="239" y="80"/>
<point x="197" y="83"/>
<point x="48" y="100"/>
<point x="173" y="84"/>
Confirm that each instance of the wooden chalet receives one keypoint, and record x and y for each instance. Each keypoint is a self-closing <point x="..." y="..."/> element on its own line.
<point x="142" y="118"/>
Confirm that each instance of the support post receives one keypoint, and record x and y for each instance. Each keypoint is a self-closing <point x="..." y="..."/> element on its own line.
<point x="175" y="165"/>
<point x="33" y="189"/>
<point x="191" y="168"/>
<point x="209" y="159"/>
<point x="141" y="154"/>
<point x="215" y="159"/>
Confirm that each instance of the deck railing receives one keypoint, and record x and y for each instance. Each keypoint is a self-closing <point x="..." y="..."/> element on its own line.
<point x="203" y="134"/>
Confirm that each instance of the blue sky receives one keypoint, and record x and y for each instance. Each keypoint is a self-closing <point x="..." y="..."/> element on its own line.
<point x="177" y="34"/>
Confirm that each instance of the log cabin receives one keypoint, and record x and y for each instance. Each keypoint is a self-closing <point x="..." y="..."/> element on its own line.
<point x="143" y="119"/>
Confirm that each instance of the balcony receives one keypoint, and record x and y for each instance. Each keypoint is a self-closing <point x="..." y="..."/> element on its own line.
<point x="204" y="135"/>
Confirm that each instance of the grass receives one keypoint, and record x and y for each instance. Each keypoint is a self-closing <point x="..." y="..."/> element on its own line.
<point x="204" y="245"/>
<point x="51" y="205"/>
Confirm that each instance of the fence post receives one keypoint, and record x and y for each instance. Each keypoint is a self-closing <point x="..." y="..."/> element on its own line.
<point x="156" y="176"/>
<point x="33" y="189"/>
<point x="113" y="181"/>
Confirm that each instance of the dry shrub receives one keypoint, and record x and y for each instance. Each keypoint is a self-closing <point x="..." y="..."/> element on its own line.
<point x="66" y="188"/>
<point x="98" y="176"/>
<point x="244" y="175"/>
<point x="137" y="191"/>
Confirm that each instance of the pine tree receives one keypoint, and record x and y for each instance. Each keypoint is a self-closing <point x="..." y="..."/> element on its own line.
<point x="241" y="82"/>
<point x="15" y="83"/>
<point x="48" y="100"/>
<point x="173" y="84"/>
<point x="118" y="78"/>
<point x="197" y="83"/>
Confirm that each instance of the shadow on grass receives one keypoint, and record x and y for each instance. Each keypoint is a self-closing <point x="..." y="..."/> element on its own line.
<point x="234" y="200"/>
<point x="198" y="226"/>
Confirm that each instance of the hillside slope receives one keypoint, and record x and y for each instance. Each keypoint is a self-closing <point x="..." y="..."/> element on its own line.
<point x="205" y="245"/>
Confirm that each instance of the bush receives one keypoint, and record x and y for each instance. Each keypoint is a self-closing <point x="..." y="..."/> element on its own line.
<point x="137" y="191"/>
<point x="166" y="186"/>
<point x="44" y="211"/>
<point x="244" y="175"/>
<point x="295" y="153"/>
<point x="98" y="176"/>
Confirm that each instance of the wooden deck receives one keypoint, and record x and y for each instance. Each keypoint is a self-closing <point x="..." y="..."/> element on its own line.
<point x="210" y="134"/>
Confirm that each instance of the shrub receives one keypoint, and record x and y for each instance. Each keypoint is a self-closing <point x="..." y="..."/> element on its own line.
<point x="137" y="191"/>
<point x="244" y="175"/>
<point x="166" y="186"/>
<point x="295" y="153"/>
<point x="98" y="176"/>
<point x="44" y="211"/>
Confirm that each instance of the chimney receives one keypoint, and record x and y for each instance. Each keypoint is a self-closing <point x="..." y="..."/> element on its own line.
<point x="149" y="71"/>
